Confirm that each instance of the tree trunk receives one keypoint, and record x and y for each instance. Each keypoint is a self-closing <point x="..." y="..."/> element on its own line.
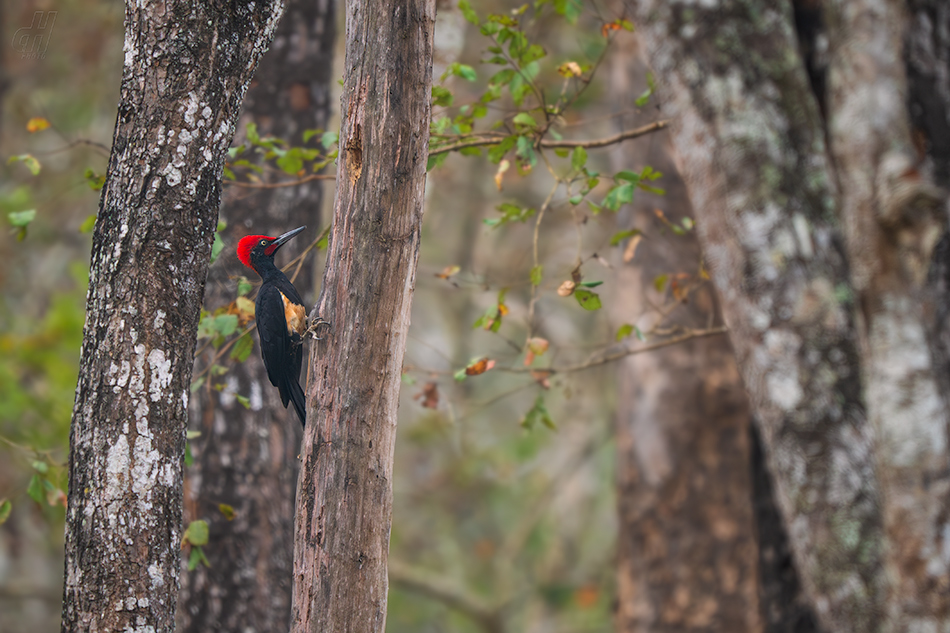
<point x="687" y="555"/>
<point x="247" y="457"/>
<point x="344" y="504"/>
<point x="818" y="256"/>
<point x="186" y="69"/>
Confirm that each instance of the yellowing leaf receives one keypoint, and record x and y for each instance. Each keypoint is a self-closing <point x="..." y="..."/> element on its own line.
<point x="36" y="124"/>
<point x="503" y="166"/>
<point x="448" y="271"/>
<point x="631" y="250"/>
<point x="479" y="367"/>
<point x="569" y="69"/>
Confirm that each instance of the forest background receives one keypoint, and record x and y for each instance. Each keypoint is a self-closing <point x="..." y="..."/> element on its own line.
<point x="576" y="450"/>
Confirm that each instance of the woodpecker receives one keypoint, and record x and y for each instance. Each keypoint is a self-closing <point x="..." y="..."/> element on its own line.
<point x="281" y="317"/>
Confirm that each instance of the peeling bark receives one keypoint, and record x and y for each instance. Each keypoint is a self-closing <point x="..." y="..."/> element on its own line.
<point x="344" y="504"/>
<point x="750" y="142"/>
<point x="186" y="69"/>
<point x="247" y="457"/>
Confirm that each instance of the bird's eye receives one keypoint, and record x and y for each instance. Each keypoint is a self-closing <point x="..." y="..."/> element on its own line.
<point x="263" y="242"/>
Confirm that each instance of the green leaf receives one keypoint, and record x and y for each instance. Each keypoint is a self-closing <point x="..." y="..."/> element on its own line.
<point x="464" y="71"/>
<point x="242" y="348"/>
<point x="659" y="282"/>
<point x="654" y="190"/>
<point x="244" y="400"/>
<point x="196" y="384"/>
<point x="590" y="284"/>
<point x="244" y="286"/>
<point x="628" y="176"/>
<point x="496" y="153"/>
<point x="95" y="181"/>
<point x="575" y="200"/>
<point x="436" y="160"/>
<point x="460" y="375"/>
<point x="252" y="134"/>
<point x="226" y="324"/>
<point x="535" y="51"/>
<point x="226" y="510"/>
<point x="197" y="533"/>
<point x="35" y="488"/>
<point x="570" y="9"/>
<point x="41" y="467"/>
<point x="525" y="150"/>
<point x="189" y="458"/>
<point x="441" y="97"/>
<point x="538" y="413"/>
<point x="329" y="139"/>
<point x="309" y="134"/>
<point x="536" y="273"/>
<point x="197" y="556"/>
<point x="216" y="247"/>
<point x="468" y="12"/>
<point x="620" y="236"/>
<point x="21" y="218"/>
<point x="688" y="223"/>
<point x="88" y="224"/>
<point x="587" y="299"/>
<point x="624" y="331"/>
<point x="29" y="161"/>
<point x="618" y="196"/>
<point x="192" y="435"/>
<point x="525" y="119"/>
<point x="5" y="508"/>
<point x="578" y="158"/>
<point x="324" y="241"/>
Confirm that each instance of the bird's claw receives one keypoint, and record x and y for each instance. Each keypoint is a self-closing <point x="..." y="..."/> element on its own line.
<point x="315" y="328"/>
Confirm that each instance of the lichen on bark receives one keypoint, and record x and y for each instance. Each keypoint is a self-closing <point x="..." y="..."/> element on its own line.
<point x="186" y="69"/>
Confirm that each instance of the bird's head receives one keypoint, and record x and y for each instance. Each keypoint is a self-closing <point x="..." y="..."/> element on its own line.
<point x="256" y="248"/>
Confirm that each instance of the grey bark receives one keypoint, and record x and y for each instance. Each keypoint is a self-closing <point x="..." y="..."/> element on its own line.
<point x="186" y="69"/>
<point x="344" y="504"/>
<point x="247" y="457"/>
<point x="819" y="253"/>
<point x="751" y="146"/>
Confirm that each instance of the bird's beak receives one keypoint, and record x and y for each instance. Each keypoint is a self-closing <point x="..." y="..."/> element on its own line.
<point x="283" y="239"/>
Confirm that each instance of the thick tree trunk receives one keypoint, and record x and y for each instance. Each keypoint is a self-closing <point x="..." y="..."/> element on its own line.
<point x="344" y="505"/>
<point x="751" y="145"/>
<point x="186" y="69"/>
<point x="819" y="255"/>
<point x="247" y="457"/>
<point x="892" y="219"/>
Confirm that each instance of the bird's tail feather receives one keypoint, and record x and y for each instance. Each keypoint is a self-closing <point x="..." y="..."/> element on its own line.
<point x="300" y="402"/>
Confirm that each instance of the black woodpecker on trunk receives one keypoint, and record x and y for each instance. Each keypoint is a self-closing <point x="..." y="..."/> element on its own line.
<point x="281" y="317"/>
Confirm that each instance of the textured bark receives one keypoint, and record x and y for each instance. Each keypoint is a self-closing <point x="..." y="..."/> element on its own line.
<point x="344" y="504"/>
<point x="247" y="457"/>
<point x="186" y="69"/>
<point x="892" y="219"/>
<point x="751" y="146"/>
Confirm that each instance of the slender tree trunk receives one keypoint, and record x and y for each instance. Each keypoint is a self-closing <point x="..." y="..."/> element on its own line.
<point x="344" y="504"/>
<point x="819" y="254"/>
<point x="247" y="457"/>
<point x="187" y="66"/>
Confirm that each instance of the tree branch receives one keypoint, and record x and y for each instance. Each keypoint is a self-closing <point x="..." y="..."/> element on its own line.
<point x="612" y="356"/>
<point x="603" y="142"/>
<point x="441" y="589"/>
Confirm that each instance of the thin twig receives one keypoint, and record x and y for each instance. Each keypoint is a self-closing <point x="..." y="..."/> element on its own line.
<point x="609" y="358"/>
<point x="603" y="142"/>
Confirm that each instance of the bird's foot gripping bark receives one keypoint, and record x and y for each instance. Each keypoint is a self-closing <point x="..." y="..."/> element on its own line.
<point x="314" y="329"/>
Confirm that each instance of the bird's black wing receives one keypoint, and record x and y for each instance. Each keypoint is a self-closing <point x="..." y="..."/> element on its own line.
<point x="281" y="357"/>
